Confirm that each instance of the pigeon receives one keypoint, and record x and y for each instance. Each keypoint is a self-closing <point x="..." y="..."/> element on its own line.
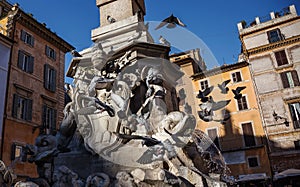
<point x="171" y="22"/>
<point x="75" y="53"/>
<point x="104" y="107"/>
<point x="223" y="88"/>
<point x="203" y="94"/>
<point x="208" y="116"/>
<point x="147" y="141"/>
<point x="154" y="153"/>
<point x="163" y="41"/>
<point x="111" y="19"/>
<point x="211" y="105"/>
<point x="237" y="92"/>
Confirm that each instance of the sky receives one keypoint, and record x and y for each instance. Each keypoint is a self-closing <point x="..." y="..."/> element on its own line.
<point x="212" y="22"/>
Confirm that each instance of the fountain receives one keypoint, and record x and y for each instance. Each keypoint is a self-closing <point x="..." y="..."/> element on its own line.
<point x="122" y="124"/>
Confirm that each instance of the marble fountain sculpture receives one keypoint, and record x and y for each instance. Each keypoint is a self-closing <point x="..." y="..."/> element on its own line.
<point x="122" y="127"/>
<point x="122" y="124"/>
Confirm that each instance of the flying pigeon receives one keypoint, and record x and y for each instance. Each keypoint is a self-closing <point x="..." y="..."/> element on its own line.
<point x="75" y="53"/>
<point x="237" y="92"/>
<point x="203" y="94"/>
<point x="171" y="22"/>
<point x="223" y="88"/>
<point x="211" y="105"/>
<point x="208" y="116"/>
<point x="110" y="19"/>
<point x="163" y="41"/>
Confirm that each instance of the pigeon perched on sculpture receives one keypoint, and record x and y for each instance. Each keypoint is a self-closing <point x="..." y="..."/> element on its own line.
<point x="75" y="53"/>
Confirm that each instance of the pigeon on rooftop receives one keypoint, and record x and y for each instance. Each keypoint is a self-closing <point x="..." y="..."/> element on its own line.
<point x="111" y="19"/>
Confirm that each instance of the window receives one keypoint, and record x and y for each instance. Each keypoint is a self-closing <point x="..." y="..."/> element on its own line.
<point x="50" y="52"/>
<point x="289" y="79"/>
<point x="274" y="36"/>
<point x="49" y="78"/>
<point x="248" y="134"/>
<point x="204" y="84"/>
<point x="212" y="133"/>
<point x="281" y="58"/>
<point x="27" y="38"/>
<point x="49" y="119"/>
<point x="236" y="77"/>
<point x="242" y="103"/>
<point x="295" y="114"/>
<point x="22" y="108"/>
<point x="16" y="152"/>
<point x="25" y="62"/>
<point x="253" y="162"/>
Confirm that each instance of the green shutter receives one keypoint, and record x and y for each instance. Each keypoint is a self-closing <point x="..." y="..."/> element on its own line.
<point x="46" y="67"/>
<point x="23" y="35"/>
<point x="53" y="81"/>
<point x="31" y="64"/>
<point x="53" y="125"/>
<point x="15" y="105"/>
<point x="20" y="59"/>
<point x="295" y="78"/>
<point x="47" y="50"/>
<point x="43" y="129"/>
<point x="284" y="80"/>
<point x="54" y="55"/>
<point x="28" y="109"/>
<point x="32" y="41"/>
<point x="13" y="152"/>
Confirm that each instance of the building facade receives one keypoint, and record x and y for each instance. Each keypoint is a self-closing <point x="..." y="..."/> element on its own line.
<point x="5" y="50"/>
<point x="35" y="90"/>
<point x="272" y="49"/>
<point x="236" y="129"/>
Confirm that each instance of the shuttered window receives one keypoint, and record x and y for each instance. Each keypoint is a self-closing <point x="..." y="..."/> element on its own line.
<point x="22" y="108"/>
<point x="236" y="77"/>
<point x="242" y="103"/>
<point x="49" y="78"/>
<point x="25" y="61"/>
<point x="49" y="119"/>
<point x="204" y="84"/>
<point x="248" y="134"/>
<point x="281" y="58"/>
<point x="27" y="38"/>
<point x="50" y="52"/>
<point x="289" y="79"/>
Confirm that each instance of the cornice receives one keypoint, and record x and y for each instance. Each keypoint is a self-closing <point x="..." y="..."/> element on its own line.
<point x="44" y="32"/>
<point x="272" y="46"/>
<point x="219" y="70"/>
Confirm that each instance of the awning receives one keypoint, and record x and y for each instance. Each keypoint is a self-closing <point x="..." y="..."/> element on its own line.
<point x="251" y="177"/>
<point x="287" y="173"/>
